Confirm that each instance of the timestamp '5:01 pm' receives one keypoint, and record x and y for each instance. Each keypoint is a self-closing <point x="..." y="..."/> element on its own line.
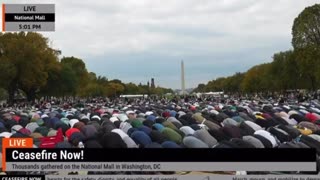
<point x="29" y="26"/>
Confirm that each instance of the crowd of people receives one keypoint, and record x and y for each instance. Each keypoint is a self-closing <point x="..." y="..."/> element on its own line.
<point x="162" y="123"/>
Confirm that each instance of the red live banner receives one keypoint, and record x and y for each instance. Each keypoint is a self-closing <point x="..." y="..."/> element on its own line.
<point x="14" y="143"/>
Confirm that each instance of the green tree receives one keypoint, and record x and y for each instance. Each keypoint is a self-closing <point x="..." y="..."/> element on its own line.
<point x="68" y="82"/>
<point x="233" y="83"/>
<point x="131" y="88"/>
<point x="309" y="62"/>
<point x="115" y="89"/>
<point x="283" y="68"/>
<point x="28" y="58"/>
<point x="200" y="88"/>
<point x="306" y="28"/>
<point x="257" y="79"/>
<point x="78" y="67"/>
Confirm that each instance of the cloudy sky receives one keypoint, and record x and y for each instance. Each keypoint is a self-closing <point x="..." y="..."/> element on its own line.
<point x="134" y="40"/>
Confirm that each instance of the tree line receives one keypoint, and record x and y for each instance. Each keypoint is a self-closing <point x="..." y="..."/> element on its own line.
<point x="28" y="65"/>
<point x="298" y="68"/>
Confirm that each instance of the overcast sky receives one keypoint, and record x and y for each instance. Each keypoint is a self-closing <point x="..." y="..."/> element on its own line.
<point x="134" y="40"/>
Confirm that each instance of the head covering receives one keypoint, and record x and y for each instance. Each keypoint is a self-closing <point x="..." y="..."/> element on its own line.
<point x="25" y="131"/>
<point x="193" y="142"/>
<point x="112" y="140"/>
<point x="305" y="131"/>
<point x="165" y="114"/>
<point x="315" y="136"/>
<point x="169" y="124"/>
<point x="230" y="121"/>
<point x="266" y="123"/>
<point x="52" y="132"/>
<point x="198" y="117"/>
<point x="238" y="119"/>
<point x="151" y="118"/>
<point x="268" y="136"/>
<point x="35" y="117"/>
<point x="281" y="135"/>
<point x="72" y="122"/>
<point x="266" y="143"/>
<point x="145" y="129"/>
<point x="40" y="122"/>
<point x="219" y="135"/>
<point x="195" y="126"/>
<point x="95" y="118"/>
<point x="107" y="127"/>
<point x="157" y="136"/>
<point x="211" y="125"/>
<point x="79" y="125"/>
<point x="293" y="132"/>
<point x="42" y="130"/>
<point x="149" y="113"/>
<point x="36" y="135"/>
<point x="75" y="138"/>
<point x="65" y="120"/>
<point x="174" y="120"/>
<point x="32" y="126"/>
<point x="120" y="132"/>
<point x="141" y="138"/>
<point x="173" y="113"/>
<point x="136" y="123"/>
<point x="15" y="128"/>
<point x="253" y="125"/>
<point x="50" y="123"/>
<point x="95" y="124"/>
<point x="89" y="131"/>
<point x="246" y="129"/>
<point x="313" y="127"/>
<point x="299" y="118"/>
<point x="148" y="123"/>
<point x="254" y="141"/>
<point x="231" y="131"/>
<point x="172" y="135"/>
<point x="311" y="117"/>
<point x="70" y="131"/>
<point x="187" y="130"/>
<point x="158" y="127"/>
<point x="131" y="130"/>
<point x="130" y="112"/>
<point x="204" y="136"/>
<point x="61" y="125"/>
<point x="5" y="134"/>
<point x="44" y="116"/>
<point x="125" y="126"/>
<point x="160" y="120"/>
<point x="19" y="135"/>
<point x="130" y="142"/>
<point x="123" y="117"/>
<point x="114" y="119"/>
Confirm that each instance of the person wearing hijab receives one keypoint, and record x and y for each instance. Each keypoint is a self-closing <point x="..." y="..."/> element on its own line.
<point x="112" y="140"/>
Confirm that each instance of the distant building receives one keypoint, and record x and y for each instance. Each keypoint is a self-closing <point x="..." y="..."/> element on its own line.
<point x="152" y="83"/>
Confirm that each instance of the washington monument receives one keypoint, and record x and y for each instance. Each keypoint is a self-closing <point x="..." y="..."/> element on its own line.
<point x="183" y="86"/>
